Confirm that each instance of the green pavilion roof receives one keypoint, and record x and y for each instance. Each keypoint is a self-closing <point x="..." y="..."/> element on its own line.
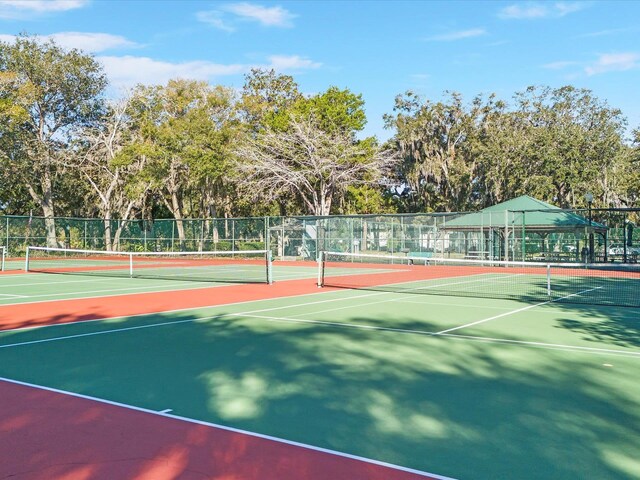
<point x="535" y="214"/>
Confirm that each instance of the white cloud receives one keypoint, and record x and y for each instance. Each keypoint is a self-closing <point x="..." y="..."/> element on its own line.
<point x="91" y="42"/>
<point x="565" y="8"/>
<point x="524" y="11"/>
<point x="603" y="33"/>
<point x="86" y="41"/>
<point x="559" y="65"/>
<point x="21" y="8"/>
<point x="291" y="62"/>
<point x="533" y="10"/>
<point x="497" y="43"/>
<point x="458" y="35"/>
<point x="267" y="16"/>
<point x="128" y="71"/>
<point x="227" y="15"/>
<point x="614" y="62"/>
<point x="214" y="18"/>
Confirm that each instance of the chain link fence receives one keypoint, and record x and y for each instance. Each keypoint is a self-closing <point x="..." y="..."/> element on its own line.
<point x="542" y="235"/>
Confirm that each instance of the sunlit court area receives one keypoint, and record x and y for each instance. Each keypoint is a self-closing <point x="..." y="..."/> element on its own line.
<point x="355" y="366"/>
<point x="307" y="240"/>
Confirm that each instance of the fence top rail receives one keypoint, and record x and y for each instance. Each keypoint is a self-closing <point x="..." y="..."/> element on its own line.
<point x="133" y="220"/>
<point x="348" y="216"/>
<point x="147" y="254"/>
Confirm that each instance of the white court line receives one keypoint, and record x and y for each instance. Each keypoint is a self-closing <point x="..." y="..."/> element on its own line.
<point x="249" y="314"/>
<point x="232" y="429"/>
<point x="11" y="285"/>
<point x="427" y="303"/>
<point x="204" y="318"/>
<point x="105" y="332"/>
<point x="188" y="285"/>
<point x="554" y="346"/>
<point x="395" y="298"/>
<point x="93" y="276"/>
<point x="529" y="307"/>
<point x="211" y="317"/>
<point x="150" y="289"/>
<point x="349" y="298"/>
<point x="164" y="312"/>
<point x="13" y="296"/>
<point x="374" y="294"/>
<point x="551" y="346"/>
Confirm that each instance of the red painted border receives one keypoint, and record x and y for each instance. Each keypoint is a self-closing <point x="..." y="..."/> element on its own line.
<point x="65" y="311"/>
<point x="51" y="436"/>
<point x="48" y="435"/>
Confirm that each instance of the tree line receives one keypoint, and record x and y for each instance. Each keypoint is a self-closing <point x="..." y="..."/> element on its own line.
<point x="188" y="149"/>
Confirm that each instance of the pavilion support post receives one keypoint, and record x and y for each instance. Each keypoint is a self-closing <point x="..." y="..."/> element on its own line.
<point x="524" y="238"/>
<point x="624" y="239"/>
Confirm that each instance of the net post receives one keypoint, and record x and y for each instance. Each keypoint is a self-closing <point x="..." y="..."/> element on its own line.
<point x="130" y="265"/>
<point x="548" y="280"/>
<point x="320" y="269"/>
<point x="3" y="252"/>
<point x="26" y="260"/>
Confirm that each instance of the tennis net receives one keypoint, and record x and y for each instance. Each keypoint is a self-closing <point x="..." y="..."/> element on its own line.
<point x="596" y="284"/>
<point x="248" y="266"/>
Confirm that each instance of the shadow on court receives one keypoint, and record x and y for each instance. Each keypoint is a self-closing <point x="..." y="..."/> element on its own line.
<point x="464" y="409"/>
<point x="613" y="326"/>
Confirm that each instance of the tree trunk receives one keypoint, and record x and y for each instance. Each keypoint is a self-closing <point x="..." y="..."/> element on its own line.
<point x="48" y="210"/>
<point x="107" y="228"/>
<point x="177" y="214"/>
<point x="46" y="203"/>
<point x="116" y="238"/>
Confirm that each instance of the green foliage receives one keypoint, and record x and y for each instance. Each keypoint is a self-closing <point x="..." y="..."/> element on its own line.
<point x="366" y="199"/>
<point x="47" y="93"/>
<point x="177" y="153"/>
<point x="185" y="131"/>
<point x="337" y="112"/>
<point x="553" y="144"/>
<point x="266" y="98"/>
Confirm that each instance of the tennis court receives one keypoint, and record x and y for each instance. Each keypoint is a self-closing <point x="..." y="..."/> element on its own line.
<point x="391" y="371"/>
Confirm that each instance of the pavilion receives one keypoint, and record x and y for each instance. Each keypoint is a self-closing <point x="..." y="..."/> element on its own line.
<point x="525" y="228"/>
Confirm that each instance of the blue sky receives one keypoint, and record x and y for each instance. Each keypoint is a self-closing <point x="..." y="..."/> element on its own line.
<point x="379" y="49"/>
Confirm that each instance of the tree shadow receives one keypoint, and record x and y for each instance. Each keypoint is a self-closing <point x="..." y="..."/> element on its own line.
<point x="459" y="408"/>
<point x="607" y="325"/>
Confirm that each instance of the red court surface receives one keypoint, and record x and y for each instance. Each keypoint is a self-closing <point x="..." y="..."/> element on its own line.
<point x="46" y="435"/>
<point x="64" y="311"/>
<point x="51" y="435"/>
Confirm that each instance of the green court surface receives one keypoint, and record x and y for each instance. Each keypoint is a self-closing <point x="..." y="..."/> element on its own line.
<point x="470" y="388"/>
<point x="46" y="287"/>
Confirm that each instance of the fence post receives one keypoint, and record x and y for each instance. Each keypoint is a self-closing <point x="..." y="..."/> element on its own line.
<point x="173" y="234"/>
<point x="506" y="235"/>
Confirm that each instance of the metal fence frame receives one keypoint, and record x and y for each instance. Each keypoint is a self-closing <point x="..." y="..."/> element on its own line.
<point x="502" y="235"/>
